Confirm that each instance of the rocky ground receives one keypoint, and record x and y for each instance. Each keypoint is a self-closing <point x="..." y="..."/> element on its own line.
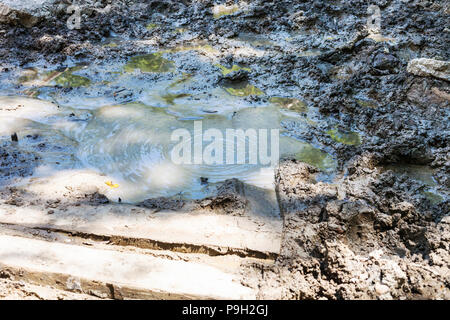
<point x="368" y="234"/>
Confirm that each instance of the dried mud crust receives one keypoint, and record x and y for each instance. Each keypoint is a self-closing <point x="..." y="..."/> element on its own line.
<point x="369" y="234"/>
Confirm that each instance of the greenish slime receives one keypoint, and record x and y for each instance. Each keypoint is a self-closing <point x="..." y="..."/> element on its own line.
<point x="69" y="80"/>
<point x="289" y="104"/>
<point x="316" y="158"/>
<point x="350" y="138"/>
<point x="153" y="62"/>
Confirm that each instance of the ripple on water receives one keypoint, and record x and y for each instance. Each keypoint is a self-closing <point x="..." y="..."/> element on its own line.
<point x="132" y="144"/>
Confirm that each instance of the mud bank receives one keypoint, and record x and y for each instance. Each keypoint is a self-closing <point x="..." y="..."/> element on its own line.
<point x="364" y="237"/>
<point x="374" y="225"/>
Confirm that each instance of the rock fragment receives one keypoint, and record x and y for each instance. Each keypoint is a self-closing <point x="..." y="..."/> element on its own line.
<point x="429" y="67"/>
<point x="13" y="16"/>
<point x="14" y="137"/>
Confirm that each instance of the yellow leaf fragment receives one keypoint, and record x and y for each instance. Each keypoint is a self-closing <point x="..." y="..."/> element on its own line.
<point x="111" y="184"/>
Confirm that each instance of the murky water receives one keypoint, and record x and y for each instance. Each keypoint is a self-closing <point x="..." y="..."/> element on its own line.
<point x="349" y="138"/>
<point x="132" y="143"/>
<point x="118" y="118"/>
<point x="422" y="174"/>
<point x="153" y="62"/>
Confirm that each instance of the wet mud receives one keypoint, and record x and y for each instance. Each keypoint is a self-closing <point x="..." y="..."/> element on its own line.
<point x="363" y="185"/>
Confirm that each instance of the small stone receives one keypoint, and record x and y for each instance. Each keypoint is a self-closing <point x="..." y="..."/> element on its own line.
<point x="19" y="13"/>
<point x="73" y="284"/>
<point x="385" y="61"/>
<point x="381" y="289"/>
<point x="430" y="67"/>
<point x="14" y="137"/>
<point x="209" y="111"/>
<point x="376" y="254"/>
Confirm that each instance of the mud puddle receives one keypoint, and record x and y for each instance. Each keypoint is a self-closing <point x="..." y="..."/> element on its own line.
<point x="117" y="118"/>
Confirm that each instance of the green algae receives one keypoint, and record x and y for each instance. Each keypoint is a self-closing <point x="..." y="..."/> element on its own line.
<point x="153" y="62"/>
<point x="111" y="45"/>
<point x="289" y="104"/>
<point x="180" y="30"/>
<point x="28" y="75"/>
<point x="316" y="158"/>
<point x="434" y="198"/>
<point x="171" y="97"/>
<point x="151" y="26"/>
<point x="348" y="138"/>
<point x="226" y="70"/>
<point x="35" y="78"/>
<point x="69" y="80"/>
<point x="244" y="90"/>
<point x="366" y="103"/>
